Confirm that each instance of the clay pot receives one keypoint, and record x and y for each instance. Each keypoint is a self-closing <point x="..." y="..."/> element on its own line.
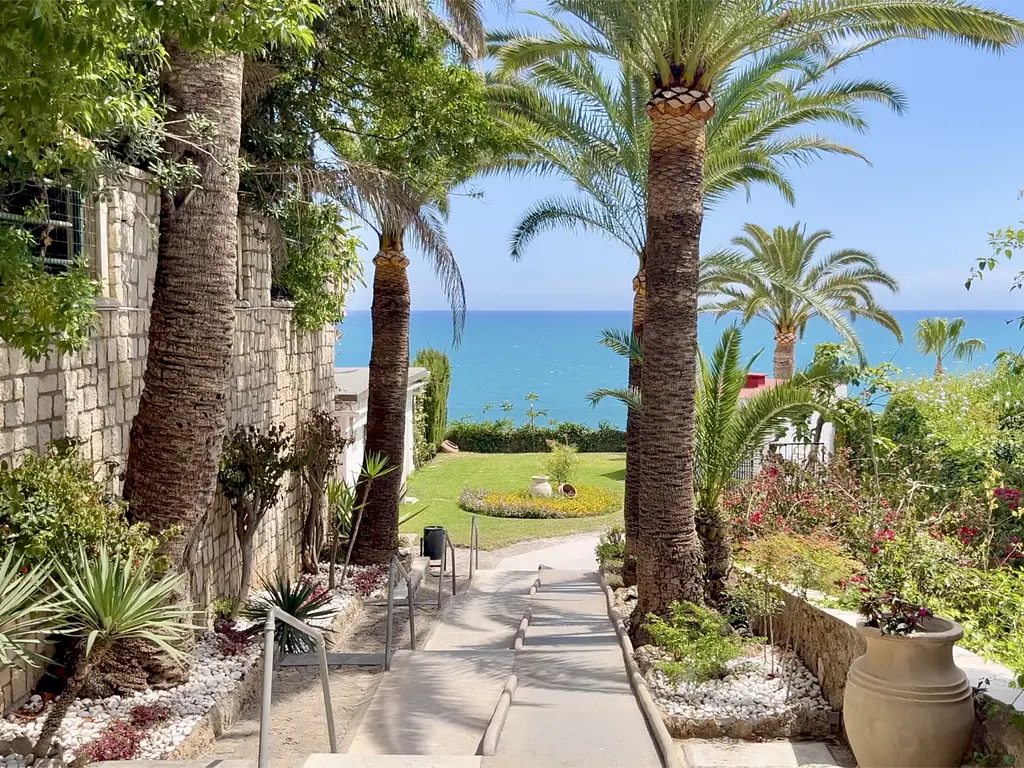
<point x="568" y="490"/>
<point x="906" y="703"/>
<point x="541" y="486"/>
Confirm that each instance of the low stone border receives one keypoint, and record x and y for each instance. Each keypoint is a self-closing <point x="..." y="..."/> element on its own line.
<point x="492" y="733"/>
<point x="671" y="756"/>
<point x="524" y="624"/>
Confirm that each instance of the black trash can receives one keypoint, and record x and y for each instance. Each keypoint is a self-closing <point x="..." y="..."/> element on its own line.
<point x="432" y="545"/>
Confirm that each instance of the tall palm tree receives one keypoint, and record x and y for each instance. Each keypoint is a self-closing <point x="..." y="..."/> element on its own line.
<point x="594" y="132"/>
<point x="685" y="48"/>
<point x="728" y="430"/>
<point x="940" y="336"/>
<point x="843" y="278"/>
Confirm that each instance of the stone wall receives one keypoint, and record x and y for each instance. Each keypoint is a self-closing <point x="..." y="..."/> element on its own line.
<point x="828" y="641"/>
<point x="279" y="372"/>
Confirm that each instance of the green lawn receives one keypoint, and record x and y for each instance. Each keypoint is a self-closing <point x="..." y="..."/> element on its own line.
<point x="440" y="483"/>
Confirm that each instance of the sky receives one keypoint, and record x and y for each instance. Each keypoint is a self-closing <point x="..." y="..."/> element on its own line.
<point x="942" y="176"/>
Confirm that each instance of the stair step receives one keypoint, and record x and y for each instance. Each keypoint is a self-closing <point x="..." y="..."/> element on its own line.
<point x="334" y="660"/>
<point x="391" y="761"/>
<point x="205" y="763"/>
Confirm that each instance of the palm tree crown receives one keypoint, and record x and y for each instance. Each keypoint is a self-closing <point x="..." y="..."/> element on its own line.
<point x="843" y="280"/>
<point x="940" y="336"/>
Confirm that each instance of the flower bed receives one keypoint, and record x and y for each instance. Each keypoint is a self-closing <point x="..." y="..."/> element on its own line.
<point x="588" y="500"/>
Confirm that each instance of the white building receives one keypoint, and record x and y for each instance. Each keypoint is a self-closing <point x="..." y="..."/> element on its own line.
<point x="351" y="399"/>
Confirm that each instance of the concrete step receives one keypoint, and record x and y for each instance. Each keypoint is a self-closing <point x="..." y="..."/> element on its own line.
<point x="481" y="622"/>
<point x="732" y="753"/>
<point x="433" y="703"/>
<point x="390" y="761"/>
<point x="210" y="763"/>
<point x="574" y="707"/>
<point x="333" y="660"/>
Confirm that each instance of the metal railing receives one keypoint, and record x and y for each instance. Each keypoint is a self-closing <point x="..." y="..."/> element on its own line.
<point x="474" y="549"/>
<point x="444" y="564"/>
<point x="410" y="589"/>
<point x="273" y="615"/>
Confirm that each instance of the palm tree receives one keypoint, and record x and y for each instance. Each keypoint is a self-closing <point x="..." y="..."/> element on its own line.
<point x="685" y="48"/>
<point x="728" y="431"/>
<point x="940" y="336"/>
<point x="843" y="278"/>
<point x="595" y="133"/>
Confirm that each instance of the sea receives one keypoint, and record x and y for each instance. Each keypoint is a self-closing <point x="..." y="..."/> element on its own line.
<point x="506" y="355"/>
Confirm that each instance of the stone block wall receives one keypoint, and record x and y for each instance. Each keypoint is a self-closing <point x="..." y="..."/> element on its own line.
<point x="280" y="373"/>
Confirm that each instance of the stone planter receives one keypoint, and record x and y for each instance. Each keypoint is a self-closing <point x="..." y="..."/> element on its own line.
<point x="906" y="702"/>
<point x="541" y="486"/>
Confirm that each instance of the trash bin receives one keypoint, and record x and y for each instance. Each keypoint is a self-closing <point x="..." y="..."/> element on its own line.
<point x="433" y="542"/>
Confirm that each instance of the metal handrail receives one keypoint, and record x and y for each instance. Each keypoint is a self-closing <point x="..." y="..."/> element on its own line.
<point x="389" y="631"/>
<point x="440" y="576"/>
<point x="270" y="626"/>
<point x="474" y="548"/>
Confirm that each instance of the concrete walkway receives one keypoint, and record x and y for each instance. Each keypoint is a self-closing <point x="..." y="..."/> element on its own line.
<point x="573" y="705"/>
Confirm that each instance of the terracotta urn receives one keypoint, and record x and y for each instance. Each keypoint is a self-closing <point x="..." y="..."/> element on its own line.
<point x="541" y="486"/>
<point x="906" y="703"/>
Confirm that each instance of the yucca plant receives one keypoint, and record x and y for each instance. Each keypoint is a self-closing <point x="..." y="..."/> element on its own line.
<point x="27" y="613"/>
<point x="105" y="600"/>
<point x="375" y="465"/>
<point x="304" y="599"/>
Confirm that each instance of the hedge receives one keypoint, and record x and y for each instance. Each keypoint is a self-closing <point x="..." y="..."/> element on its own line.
<point x="504" y="437"/>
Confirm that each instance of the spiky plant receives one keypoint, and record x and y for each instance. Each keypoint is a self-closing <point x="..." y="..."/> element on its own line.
<point x="106" y="600"/>
<point x="27" y="612"/>
<point x="303" y="599"/>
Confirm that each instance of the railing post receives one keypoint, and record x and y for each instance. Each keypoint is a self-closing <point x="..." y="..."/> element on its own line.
<point x="440" y="574"/>
<point x="412" y="613"/>
<point x="391" y="610"/>
<point x="326" y="680"/>
<point x="450" y="545"/>
<point x="268" y="687"/>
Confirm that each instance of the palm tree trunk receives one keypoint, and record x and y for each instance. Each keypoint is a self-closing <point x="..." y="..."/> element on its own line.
<point x="177" y="434"/>
<point x="716" y="540"/>
<point x="938" y="366"/>
<point x="389" y="383"/>
<point x="669" y="561"/>
<point x="54" y="718"/>
<point x="784" y="360"/>
<point x="631" y="502"/>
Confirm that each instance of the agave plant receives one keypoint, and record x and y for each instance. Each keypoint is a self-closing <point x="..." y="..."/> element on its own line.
<point x="105" y="600"/>
<point x="27" y="613"/>
<point x="306" y="600"/>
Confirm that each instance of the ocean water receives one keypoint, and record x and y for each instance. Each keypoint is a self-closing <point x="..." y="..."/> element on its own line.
<point x="505" y="355"/>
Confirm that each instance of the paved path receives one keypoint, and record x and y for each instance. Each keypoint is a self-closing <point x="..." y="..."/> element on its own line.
<point x="573" y="705"/>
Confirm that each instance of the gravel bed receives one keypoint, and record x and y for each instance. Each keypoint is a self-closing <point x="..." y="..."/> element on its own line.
<point x="213" y="676"/>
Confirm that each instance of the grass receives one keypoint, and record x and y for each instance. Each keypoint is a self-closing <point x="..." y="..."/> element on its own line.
<point x="439" y="484"/>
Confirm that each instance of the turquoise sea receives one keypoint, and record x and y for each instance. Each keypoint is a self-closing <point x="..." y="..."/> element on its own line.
<point x="505" y="355"/>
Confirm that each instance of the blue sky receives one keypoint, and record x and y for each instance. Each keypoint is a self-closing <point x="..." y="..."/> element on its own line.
<point x="943" y="175"/>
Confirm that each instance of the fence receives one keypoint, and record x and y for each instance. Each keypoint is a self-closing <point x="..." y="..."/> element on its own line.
<point x="797" y="453"/>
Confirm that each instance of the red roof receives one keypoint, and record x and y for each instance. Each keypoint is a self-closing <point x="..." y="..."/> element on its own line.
<point x="757" y="382"/>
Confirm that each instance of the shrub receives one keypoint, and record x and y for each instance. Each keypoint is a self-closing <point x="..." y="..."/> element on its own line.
<point x="611" y="546"/>
<point x="422" y="449"/>
<point x="588" y="501"/>
<point x="435" y="394"/>
<point x="147" y="715"/>
<point x="699" y="641"/>
<point x="119" y="741"/>
<point x="502" y="436"/>
<point x="319" y="447"/>
<point x="50" y="505"/>
<point x="817" y="561"/>
<point x="563" y="463"/>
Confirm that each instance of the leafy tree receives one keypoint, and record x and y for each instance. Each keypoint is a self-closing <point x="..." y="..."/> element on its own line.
<point x="435" y="394"/>
<point x="940" y="336"/>
<point x="843" y="279"/>
<point x="251" y="468"/>
<point x="686" y="48"/>
<point x="319" y="447"/>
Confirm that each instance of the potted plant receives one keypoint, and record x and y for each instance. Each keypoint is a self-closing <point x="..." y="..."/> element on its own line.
<point x="906" y="703"/>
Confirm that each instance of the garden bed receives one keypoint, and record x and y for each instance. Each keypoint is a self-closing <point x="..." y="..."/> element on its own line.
<point x="157" y="724"/>
<point x="587" y="501"/>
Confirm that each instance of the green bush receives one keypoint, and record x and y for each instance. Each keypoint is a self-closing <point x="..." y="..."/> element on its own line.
<point x="51" y="506"/>
<point x="563" y="464"/>
<point x="611" y="546"/>
<point x="699" y="641"/>
<point x="587" y="501"/>
<point x="435" y="394"/>
<point x="503" y="436"/>
<point x="423" y="449"/>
